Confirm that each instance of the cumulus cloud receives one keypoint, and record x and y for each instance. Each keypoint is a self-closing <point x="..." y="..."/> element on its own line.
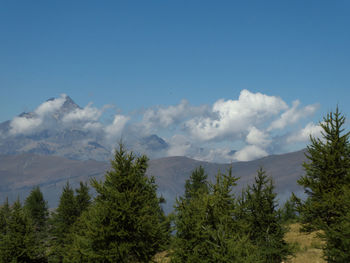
<point x="249" y="152"/>
<point x="293" y="115"/>
<point x="258" y="137"/>
<point x="178" y="146"/>
<point x="304" y="134"/>
<point x="115" y="129"/>
<point x="50" y="106"/>
<point x="235" y="116"/>
<point x="93" y="126"/>
<point x="165" y="117"/>
<point x="87" y="114"/>
<point x="23" y="125"/>
<point x="242" y="129"/>
<point x="29" y="124"/>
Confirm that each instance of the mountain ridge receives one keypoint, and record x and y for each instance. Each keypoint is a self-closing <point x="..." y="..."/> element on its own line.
<point x="19" y="173"/>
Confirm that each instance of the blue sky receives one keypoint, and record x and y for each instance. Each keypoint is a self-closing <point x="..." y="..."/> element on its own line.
<point x="136" y="55"/>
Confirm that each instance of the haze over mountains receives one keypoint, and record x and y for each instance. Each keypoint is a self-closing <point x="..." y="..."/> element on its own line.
<point x="58" y="142"/>
<point x="57" y="127"/>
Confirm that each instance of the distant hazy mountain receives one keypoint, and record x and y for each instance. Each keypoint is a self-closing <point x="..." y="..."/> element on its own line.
<point x="19" y="173"/>
<point x="73" y="142"/>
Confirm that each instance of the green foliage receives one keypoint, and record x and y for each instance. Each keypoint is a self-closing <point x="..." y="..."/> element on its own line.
<point x="327" y="171"/>
<point x="196" y="184"/>
<point x="17" y="240"/>
<point x="124" y="224"/>
<point x="289" y="212"/>
<point x="62" y="220"/>
<point x="82" y="198"/>
<point x="326" y="184"/>
<point x="206" y="227"/>
<point x="37" y="208"/>
<point x="337" y="236"/>
<point x="263" y="220"/>
<point x="4" y="216"/>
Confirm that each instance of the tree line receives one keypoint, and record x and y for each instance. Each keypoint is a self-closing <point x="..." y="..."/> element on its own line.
<point x="211" y="222"/>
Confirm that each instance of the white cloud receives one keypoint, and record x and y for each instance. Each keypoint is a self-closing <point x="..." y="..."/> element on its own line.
<point x="29" y="124"/>
<point x="50" y="106"/>
<point x="250" y="152"/>
<point x="178" y="146"/>
<point x="258" y="137"/>
<point x="304" y="134"/>
<point x="87" y="114"/>
<point x="219" y="155"/>
<point x="23" y="125"/>
<point x="164" y="117"/>
<point x="93" y="126"/>
<point x="114" y="130"/>
<point x="235" y="116"/>
<point x="293" y="115"/>
<point x="256" y="122"/>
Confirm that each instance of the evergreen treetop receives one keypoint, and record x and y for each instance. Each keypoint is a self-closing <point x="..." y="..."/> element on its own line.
<point x="124" y="223"/>
<point x="326" y="172"/>
<point x="37" y="208"/>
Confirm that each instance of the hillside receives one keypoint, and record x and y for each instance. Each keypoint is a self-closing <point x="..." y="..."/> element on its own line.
<point x="19" y="173"/>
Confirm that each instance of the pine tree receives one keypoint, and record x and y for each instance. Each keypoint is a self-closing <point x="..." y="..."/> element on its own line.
<point x="123" y="224"/>
<point x="327" y="171"/>
<point x="264" y="223"/>
<point x="196" y="184"/>
<point x="206" y="225"/>
<point x="37" y="208"/>
<point x="4" y="216"/>
<point x="62" y="220"/>
<point x="337" y="236"/>
<point x="18" y="242"/>
<point x="83" y="198"/>
<point x="289" y="212"/>
<point x="326" y="184"/>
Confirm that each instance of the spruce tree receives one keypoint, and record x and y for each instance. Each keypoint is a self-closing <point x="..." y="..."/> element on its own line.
<point x="289" y="212"/>
<point x="18" y="242"/>
<point x="196" y="184"/>
<point x="206" y="225"/>
<point x="337" y="236"/>
<point x="326" y="172"/>
<point x="62" y="220"/>
<point x="37" y="208"/>
<point x="4" y="216"/>
<point x="264" y="223"/>
<point x="83" y="198"/>
<point x="124" y="222"/>
<point x="327" y="183"/>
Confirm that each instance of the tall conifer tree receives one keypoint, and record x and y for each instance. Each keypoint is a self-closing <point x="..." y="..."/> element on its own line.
<point x="18" y="242"/>
<point x="83" y="198"/>
<point x="207" y="229"/>
<point x="37" y="208"/>
<point x="263" y="219"/>
<point x="62" y="221"/>
<point x="326" y="183"/>
<point x="124" y="222"/>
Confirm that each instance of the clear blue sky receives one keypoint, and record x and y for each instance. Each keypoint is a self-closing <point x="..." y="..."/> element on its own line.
<point x="115" y="52"/>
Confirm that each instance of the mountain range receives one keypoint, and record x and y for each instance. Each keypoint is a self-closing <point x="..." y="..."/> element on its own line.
<point x="20" y="173"/>
<point x="49" y="151"/>
<point x="59" y="137"/>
